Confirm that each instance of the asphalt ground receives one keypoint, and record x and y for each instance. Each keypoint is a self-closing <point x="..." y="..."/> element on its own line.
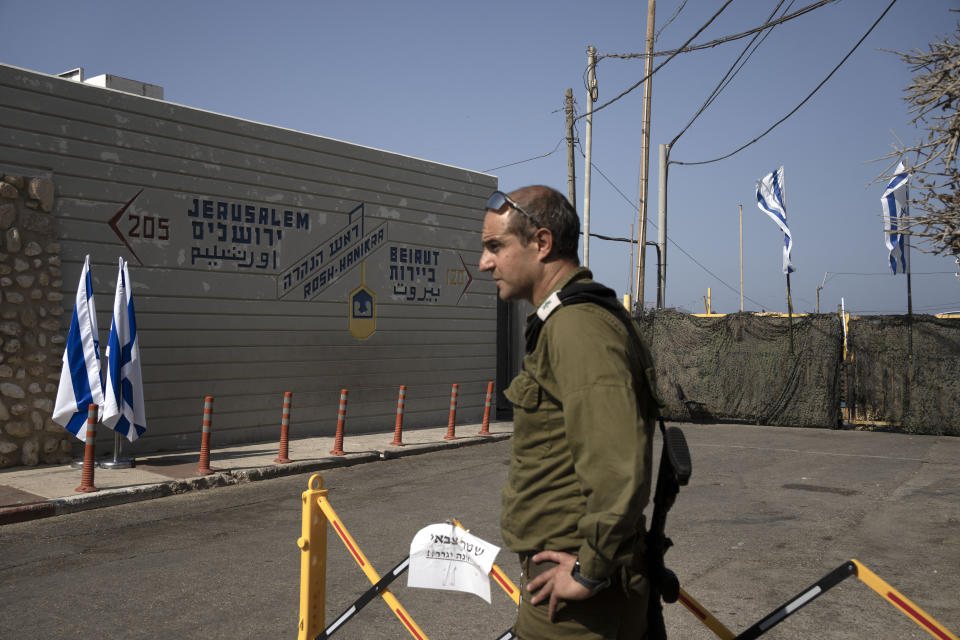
<point x="768" y="512"/>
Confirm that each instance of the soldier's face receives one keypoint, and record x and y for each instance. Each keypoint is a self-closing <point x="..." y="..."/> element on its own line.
<point x="514" y="266"/>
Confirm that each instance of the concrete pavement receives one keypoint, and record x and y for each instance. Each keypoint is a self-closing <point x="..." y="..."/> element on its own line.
<point x="27" y="493"/>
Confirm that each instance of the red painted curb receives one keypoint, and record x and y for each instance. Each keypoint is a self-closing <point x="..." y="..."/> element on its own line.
<point x="24" y="512"/>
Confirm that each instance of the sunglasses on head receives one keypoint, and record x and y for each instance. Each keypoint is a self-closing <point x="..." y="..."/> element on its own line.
<point x="498" y="198"/>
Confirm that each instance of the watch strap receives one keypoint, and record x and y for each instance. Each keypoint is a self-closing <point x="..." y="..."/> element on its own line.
<point x="589" y="583"/>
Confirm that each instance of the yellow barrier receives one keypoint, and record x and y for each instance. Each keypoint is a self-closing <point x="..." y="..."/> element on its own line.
<point x="313" y="564"/>
<point x="902" y="603"/>
<point x="317" y="511"/>
<point x="505" y="583"/>
<point x="313" y="561"/>
<point x="838" y="575"/>
<point x="704" y="616"/>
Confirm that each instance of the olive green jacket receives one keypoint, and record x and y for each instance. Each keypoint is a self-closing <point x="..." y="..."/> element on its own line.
<point x="580" y="466"/>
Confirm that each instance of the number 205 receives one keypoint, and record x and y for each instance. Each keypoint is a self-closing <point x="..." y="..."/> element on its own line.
<point x="149" y="227"/>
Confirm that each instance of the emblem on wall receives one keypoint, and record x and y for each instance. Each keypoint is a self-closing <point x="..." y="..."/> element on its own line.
<point x="363" y="308"/>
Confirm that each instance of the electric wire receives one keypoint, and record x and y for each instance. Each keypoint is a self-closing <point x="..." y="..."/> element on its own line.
<point x="732" y="71"/>
<point x="672" y="56"/>
<point x="802" y="102"/>
<point x="666" y="24"/>
<point x="671" y="240"/>
<point x="888" y="274"/>
<point x="855" y="311"/>
<point x="542" y="155"/>
<point x="725" y="39"/>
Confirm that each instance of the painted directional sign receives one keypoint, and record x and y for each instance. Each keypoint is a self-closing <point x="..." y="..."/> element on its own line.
<point x="363" y="312"/>
<point x="339" y="253"/>
<point x="279" y="240"/>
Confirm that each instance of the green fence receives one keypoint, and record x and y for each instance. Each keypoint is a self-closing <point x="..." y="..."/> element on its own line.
<point x="905" y="370"/>
<point x="754" y="368"/>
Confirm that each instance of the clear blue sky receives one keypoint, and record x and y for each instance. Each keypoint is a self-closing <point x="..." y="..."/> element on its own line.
<point x="481" y="85"/>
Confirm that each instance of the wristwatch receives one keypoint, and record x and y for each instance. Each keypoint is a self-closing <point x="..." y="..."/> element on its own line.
<point x="593" y="585"/>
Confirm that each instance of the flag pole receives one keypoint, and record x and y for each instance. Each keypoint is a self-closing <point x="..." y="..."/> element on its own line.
<point x="741" y="258"/>
<point x="908" y="382"/>
<point x="790" y="311"/>
<point x="119" y="460"/>
<point x="783" y="190"/>
<point x="909" y="284"/>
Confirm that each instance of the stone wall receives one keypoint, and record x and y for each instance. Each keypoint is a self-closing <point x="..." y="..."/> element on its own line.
<point x="31" y="334"/>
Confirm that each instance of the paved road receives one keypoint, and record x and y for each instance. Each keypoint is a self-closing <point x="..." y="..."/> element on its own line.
<point x="768" y="512"/>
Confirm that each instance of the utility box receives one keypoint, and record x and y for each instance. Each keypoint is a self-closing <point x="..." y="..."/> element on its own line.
<point x="262" y="260"/>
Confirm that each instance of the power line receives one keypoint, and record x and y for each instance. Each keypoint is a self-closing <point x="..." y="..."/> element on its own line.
<point x="731" y="72"/>
<point x="543" y="155"/>
<point x="724" y="40"/>
<point x="672" y="241"/>
<point x="947" y="305"/>
<point x="666" y="24"/>
<point x="672" y="56"/>
<point x="888" y="274"/>
<point x="804" y="101"/>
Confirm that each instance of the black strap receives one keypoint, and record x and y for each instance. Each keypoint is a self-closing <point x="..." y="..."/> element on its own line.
<point x="576" y="293"/>
<point x="579" y="292"/>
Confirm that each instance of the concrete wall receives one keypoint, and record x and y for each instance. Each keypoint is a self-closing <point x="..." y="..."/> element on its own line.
<point x="262" y="260"/>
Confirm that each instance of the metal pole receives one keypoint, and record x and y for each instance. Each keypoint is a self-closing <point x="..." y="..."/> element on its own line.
<point x="908" y="379"/>
<point x="630" y="262"/>
<point x="741" y="258"/>
<point x="571" y="171"/>
<point x="662" y="231"/>
<point x="659" y="283"/>
<point x="790" y="312"/>
<point x="909" y="284"/>
<point x="822" y="284"/>
<point x="645" y="157"/>
<point x="119" y="461"/>
<point x="591" y="96"/>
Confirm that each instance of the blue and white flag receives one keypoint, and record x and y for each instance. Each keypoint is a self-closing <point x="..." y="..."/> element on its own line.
<point x="894" y="205"/>
<point x="770" y="201"/>
<point x="80" y="382"/>
<point x="124" y="408"/>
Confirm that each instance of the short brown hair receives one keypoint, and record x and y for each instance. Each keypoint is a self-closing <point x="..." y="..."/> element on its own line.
<point x="552" y="211"/>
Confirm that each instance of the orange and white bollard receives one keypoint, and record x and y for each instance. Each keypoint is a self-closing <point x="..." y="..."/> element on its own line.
<point x="341" y="418"/>
<point x="86" y="478"/>
<point x="204" y="468"/>
<point x="398" y="427"/>
<point x="451" y="424"/>
<point x="283" y="457"/>
<point x="485" y="427"/>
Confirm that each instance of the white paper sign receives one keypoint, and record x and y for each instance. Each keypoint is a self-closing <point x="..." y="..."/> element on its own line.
<point x="443" y="556"/>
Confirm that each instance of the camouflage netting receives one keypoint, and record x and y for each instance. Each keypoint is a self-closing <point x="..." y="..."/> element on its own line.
<point x="739" y="367"/>
<point x="879" y="374"/>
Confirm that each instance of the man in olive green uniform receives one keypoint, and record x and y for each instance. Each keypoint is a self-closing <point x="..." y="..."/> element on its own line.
<point x="579" y="474"/>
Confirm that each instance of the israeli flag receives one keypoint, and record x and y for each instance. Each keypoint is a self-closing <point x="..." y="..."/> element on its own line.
<point x="80" y="383"/>
<point x="894" y="205"/>
<point x="124" y="409"/>
<point x="770" y="200"/>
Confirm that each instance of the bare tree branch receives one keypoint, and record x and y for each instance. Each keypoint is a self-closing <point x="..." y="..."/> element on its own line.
<point x="934" y="98"/>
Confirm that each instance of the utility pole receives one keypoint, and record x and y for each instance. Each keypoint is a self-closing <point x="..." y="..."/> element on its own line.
<point x="645" y="157"/>
<point x="741" y="261"/>
<point x="821" y="287"/>
<point x="662" y="231"/>
<point x="571" y="171"/>
<point x="630" y="261"/>
<point x="591" y="97"/>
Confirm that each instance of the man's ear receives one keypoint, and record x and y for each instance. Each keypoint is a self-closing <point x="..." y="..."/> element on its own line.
<point x="544" y="239"/>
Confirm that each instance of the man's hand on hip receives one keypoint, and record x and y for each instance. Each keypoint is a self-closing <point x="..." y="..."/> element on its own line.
<point x="556" y="583"/>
